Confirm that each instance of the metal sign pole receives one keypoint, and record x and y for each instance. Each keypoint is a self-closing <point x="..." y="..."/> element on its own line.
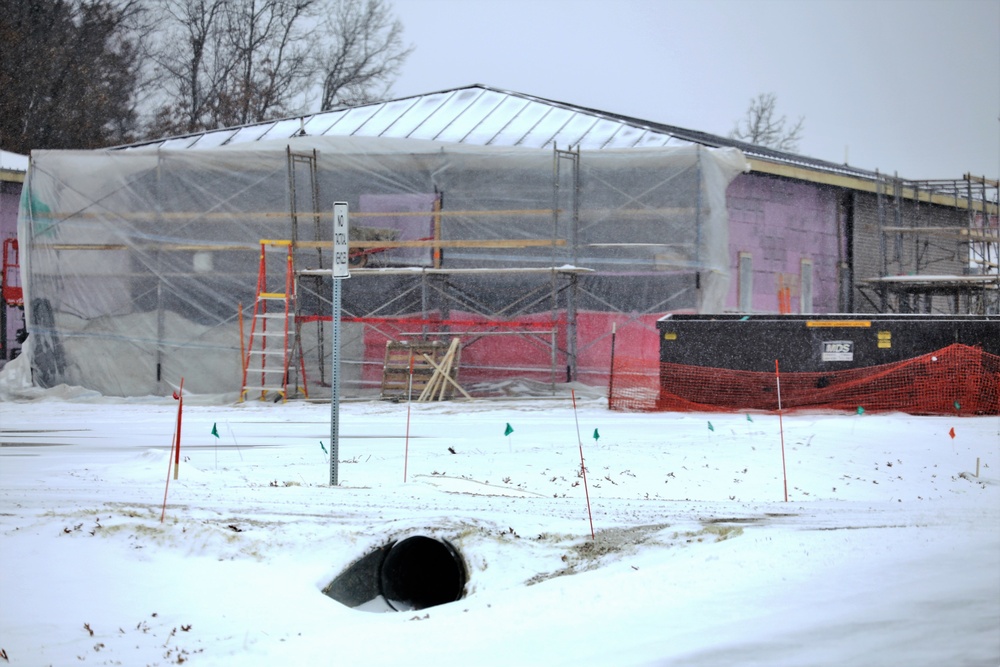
<point x="340" y="272"/>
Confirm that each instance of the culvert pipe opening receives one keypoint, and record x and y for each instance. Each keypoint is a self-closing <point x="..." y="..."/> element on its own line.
<point x="421" y="572"/>
<point x="413" y="573"/>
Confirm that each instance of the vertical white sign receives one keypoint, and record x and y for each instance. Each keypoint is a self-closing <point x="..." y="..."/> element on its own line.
<point x="341" y="255"/>
<point x="341" y="249"/>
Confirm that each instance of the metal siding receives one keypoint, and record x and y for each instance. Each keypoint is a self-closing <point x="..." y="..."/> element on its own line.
<point x="352" y="120"/>
<point x="446" y="114"/>
<point x="655" y="140"/>
<point x="502" y="117"/>
<point x="494" y="121"/>
<point x="600" y="134"/>
<point x="177" y="143"/>
<point x="547" y="128"/>
<point x="323" y="123"/>
<point x="382" y="120"/>
<point x="213" y="139"/>
<point x="520" y="124"/>
<point x="407" y="123"/>
<point x="576" y="129"/>
<point x="625" y="137"/>
<point x="475" y="114"/>
<point x="252" y="133"/>
<point x="283" y="129"/>
<point x="439" y="115"/>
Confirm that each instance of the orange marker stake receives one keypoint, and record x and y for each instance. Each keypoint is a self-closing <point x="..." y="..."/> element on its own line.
<point x="781" y="429"/>
<point x="583" y="466"/>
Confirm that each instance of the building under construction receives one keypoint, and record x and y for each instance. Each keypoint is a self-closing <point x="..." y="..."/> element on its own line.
<point x="529" y="229"/>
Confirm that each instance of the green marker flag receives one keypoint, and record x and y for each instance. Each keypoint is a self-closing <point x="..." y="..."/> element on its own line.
<point x="748" y="419"/>
<point x="323" y="447"/>
<point x="710" y="427"/>
<point x="957" y="406"/>
<point x="596" y="435"/>
<point x="215" y="430"/>
<point x="508" y="430"/>
<point x="861" y="410"/>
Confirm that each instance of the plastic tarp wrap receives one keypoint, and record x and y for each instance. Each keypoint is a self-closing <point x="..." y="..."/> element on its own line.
<point x="136" y="262"/>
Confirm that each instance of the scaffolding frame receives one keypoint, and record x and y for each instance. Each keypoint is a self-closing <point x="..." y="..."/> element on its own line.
<point x="169" y="267"/>
<point x="553" y="282"/>
<point x="559" y="280"/>
<point x="928" y="268"/>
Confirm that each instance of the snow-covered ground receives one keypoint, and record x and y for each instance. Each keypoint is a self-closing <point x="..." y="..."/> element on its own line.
<point x="886" y="553"/>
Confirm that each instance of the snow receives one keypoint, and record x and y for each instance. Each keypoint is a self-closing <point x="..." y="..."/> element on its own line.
<point x="886" y="553"/>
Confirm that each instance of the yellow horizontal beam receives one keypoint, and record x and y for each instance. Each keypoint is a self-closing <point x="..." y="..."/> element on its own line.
<point x="981" y="235"/>
<point x="256" y="215"/>
<point x="166" y="247"/>
<point x="467" y="243"/>
<point x="326" y="216"/>
<point x="863" y="184"/>
<point x="11" y="176"/>
<point x="187" y="247"/>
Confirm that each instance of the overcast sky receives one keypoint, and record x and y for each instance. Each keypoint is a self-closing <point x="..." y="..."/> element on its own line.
<point x="907" y="86"/>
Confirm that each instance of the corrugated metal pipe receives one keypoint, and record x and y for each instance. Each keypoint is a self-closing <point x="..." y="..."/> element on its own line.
<point x="413" y="573"/>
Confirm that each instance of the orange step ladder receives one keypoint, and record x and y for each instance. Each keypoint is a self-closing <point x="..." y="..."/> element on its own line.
<point x="10" y="278"/>
<point x="274" y="340"/>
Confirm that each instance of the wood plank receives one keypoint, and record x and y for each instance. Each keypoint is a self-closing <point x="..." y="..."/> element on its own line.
<point x="396" y="368"/>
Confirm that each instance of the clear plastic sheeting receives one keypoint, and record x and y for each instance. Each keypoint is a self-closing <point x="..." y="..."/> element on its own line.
<point x="137" y="264"/>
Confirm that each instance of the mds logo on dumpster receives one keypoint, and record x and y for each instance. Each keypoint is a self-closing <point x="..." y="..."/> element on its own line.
<point x="838" y="350"/>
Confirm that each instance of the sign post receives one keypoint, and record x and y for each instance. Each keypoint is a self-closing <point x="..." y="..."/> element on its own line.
<point x="341" y="253"/>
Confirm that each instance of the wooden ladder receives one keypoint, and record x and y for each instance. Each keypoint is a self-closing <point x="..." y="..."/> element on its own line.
<point x="272" y="347"/>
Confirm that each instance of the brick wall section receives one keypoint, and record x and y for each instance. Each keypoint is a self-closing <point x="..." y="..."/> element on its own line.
<point x="781" y="222"/>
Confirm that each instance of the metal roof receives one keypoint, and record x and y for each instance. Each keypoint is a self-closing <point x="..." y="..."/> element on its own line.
<point x="485" y="116"/>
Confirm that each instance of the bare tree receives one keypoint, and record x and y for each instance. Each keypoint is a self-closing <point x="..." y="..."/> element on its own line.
<point x="364" y="54"/>
<point x="762" y="127"/>
<point x="192" y="63"/>
<point x="269" y="42"/>
<point x="231" y="62"/>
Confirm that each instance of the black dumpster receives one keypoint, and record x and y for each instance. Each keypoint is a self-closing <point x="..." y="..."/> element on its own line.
<point x="817" y="343"/>
<point x="920" y="364"/>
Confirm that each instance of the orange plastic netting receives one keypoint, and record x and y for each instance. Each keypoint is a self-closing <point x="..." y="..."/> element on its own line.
<point x="958" y="379"/>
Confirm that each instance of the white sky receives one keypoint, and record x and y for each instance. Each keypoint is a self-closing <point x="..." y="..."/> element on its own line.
<point x="902" y="86"/>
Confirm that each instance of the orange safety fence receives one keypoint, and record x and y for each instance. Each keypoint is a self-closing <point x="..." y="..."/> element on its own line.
<point x="956" y="380"/>
<point x="634" y="385"/>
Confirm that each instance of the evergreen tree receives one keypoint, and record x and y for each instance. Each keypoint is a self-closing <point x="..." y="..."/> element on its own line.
<point x="70" y="74"/>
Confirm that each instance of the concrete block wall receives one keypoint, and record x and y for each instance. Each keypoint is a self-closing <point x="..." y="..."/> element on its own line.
<point x="905" y="254"/>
